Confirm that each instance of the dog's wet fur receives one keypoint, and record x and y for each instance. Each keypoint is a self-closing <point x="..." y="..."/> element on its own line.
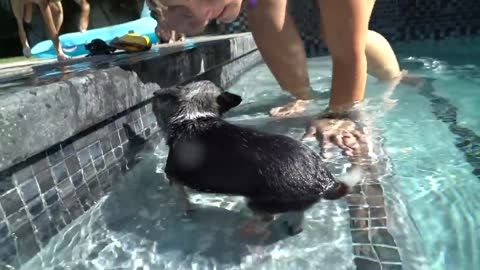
<point x="275" y="173"/>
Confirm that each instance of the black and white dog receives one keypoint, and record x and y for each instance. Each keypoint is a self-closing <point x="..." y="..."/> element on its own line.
<point x="275" y="173"/>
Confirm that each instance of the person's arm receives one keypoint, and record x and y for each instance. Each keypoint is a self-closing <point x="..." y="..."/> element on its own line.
<point x="346" y="25"/>
<point x="282" y="49"/>
<point x="344" y="28"/>
<point x="48" y="19"/>
<point x="279" y="42"/>
<point x="18" y="12"/>
<point x="28" y="12"/>
<point x="84" y="15"/>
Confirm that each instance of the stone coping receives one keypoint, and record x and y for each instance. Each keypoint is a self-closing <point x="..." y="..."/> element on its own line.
<point x="53" y="102"/>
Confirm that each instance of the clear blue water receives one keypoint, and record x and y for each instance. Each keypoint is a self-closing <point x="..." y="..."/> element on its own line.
<point x="432" y="196"/>
<point x="432" y="176"/>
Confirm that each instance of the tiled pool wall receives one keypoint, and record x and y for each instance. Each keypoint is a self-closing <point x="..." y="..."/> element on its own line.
<point x="397" y="20"/>
<point x="48" y="190"/>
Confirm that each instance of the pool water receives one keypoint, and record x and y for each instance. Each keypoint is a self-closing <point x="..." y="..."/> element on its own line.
<point x="433" y="178"/>
<point x="432" y="193"/>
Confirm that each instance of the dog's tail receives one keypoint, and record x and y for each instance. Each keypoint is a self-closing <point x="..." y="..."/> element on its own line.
<point x="344" y="184"/>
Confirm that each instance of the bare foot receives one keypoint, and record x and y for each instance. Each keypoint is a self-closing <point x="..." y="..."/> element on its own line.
<point x="393" y="83"/>
<point x="290" y="109"/>
<point x="412" y="80"/>
<point x="254" y="227"/>
<point x="182" y="38"/>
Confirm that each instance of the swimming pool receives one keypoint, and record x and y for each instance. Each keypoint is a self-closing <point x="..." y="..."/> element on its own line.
<point x="429" y="184"/>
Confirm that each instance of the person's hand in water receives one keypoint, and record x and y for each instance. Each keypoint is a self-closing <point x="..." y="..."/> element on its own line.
<point x="345" y="130"/>
<point x="302" y="97"/>
<point x="337" y="129"/>
<point x="290" y="109"/>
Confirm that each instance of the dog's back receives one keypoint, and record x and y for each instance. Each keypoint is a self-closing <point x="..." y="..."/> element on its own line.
<point x="275" y="172"/>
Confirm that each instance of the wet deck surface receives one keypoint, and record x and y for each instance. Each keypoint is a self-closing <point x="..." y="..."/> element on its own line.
<point x="43" y="70"/>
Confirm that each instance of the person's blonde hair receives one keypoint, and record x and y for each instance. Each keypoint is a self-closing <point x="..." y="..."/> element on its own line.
<point x="158" y="8"/>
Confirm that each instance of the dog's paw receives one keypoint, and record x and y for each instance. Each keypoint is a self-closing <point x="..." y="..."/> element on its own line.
<point x="294" y="230"/>
<point x="252" y="228"/>
<point x="190" y="210"/>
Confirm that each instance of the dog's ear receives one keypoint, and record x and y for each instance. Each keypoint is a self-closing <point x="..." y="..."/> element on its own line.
<point x="227" y="100"/>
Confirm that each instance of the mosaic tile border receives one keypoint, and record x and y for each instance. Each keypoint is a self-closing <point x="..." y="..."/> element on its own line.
<point x="468" y="141"/>
<point x="373" y="245"/>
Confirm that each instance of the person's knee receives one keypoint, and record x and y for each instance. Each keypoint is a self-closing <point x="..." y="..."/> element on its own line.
<point x="384" y="73"/>
<point x="382" y="61"/>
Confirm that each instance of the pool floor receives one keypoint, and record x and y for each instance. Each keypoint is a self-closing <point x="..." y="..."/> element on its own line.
<point x="140" y="226"/>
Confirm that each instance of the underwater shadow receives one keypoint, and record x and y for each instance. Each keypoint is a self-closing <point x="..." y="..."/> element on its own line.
<point x="148" y="208"/>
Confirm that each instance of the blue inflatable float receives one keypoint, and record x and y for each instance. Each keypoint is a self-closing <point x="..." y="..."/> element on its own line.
<point x="73" y="44"/>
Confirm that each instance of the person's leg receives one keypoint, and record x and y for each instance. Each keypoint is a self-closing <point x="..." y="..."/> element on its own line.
<point x="57" y="13"/>
<point x="48" y="20"/>
<point x="27" y="16"/>
<point x="18" y="8"/>
<point x="381" y="60"/>
<point x="282" y="49"/>
<point x="84" y="15"/>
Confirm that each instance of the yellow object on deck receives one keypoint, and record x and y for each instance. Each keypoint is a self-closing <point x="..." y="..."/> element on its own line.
<point x="131" y="42"/>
